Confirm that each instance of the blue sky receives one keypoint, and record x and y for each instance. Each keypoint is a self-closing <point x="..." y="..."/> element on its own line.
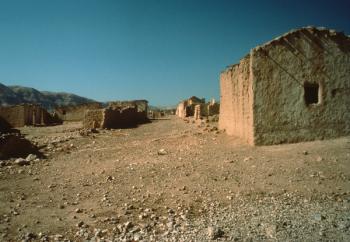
<point x="159" y="50"/>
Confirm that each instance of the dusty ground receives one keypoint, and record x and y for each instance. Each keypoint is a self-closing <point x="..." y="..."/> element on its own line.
<point x="121" y="185"/>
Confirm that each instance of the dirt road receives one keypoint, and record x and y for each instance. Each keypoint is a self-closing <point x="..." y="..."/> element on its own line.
<point x="174" y="181"/>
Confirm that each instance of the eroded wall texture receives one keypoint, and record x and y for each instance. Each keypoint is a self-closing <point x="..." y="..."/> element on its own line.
<point x="282" y="69"/>
<point x="27" y="114"/>
<point x="76" y="112"/>
<point x="236" y="104"/>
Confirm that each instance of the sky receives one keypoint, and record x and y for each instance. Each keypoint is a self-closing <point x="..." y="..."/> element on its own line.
<point x="160" y="50"/>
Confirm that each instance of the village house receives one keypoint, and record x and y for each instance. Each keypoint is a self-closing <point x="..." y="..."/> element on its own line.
<point x="291" y="89"/>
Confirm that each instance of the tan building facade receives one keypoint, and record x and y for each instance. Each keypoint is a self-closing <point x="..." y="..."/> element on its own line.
<point x="291" y="89"/>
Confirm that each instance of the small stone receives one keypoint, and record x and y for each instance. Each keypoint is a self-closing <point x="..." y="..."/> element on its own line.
<point x="21" y="162"/>
<point x="162" y="152"/>
<point x="31" y="157"/>
<point x="318" y="217"/>
<point x="80" y="224"/>
<point x="305" y="152"/>
<point x="319" y="159"/>
<point x="128" y="225"/>
<point x="271" y="231"/>
<point x="214" y="232"/>
<point x="247" y="159"/>
<point x="78" y="210"/>
<point x="30" y="236"/>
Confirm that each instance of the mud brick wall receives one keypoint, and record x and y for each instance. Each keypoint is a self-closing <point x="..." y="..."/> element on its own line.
<point x="266" y="98"/>
<point x="121" y="118"/>
<point x="26" y="114"/>
<point x="94" y="118"/>
<point x="213" y="109"/>
<point x="281" y="70"/>
<point x="75" y="112"/>
<point x="236" y="105"/>
<point x="14" y="115"/>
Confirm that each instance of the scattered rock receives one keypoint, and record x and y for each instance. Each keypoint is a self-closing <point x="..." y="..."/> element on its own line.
<point x="162" y="152"/>
<point x="31" y="157"/>
<point x="78" y="210"/>
<point x="214" y="232"/>
<point x="22" y="162"/>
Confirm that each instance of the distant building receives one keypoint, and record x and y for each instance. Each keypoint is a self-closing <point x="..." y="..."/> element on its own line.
<point x="186" y="108"/>
<point x="293" y="88"/>
<point x="118" y="114"/>
<point x="26" y="114"/>
<point x="75" y="112"/>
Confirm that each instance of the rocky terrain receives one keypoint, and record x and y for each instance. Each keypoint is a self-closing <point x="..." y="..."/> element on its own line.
<point x="12" y="95"/>
<point x="171" y="180"/>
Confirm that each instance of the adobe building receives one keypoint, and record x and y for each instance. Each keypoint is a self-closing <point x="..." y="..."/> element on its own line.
<point x="186" y="108"/>
<point x="123" y="114"/>
<point x="75" y="112"/>
<point x="26" y="114"/>
<point x="291" y="89"/>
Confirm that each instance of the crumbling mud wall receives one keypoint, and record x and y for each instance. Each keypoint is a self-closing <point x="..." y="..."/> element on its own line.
<point x="27" y="114"/>
<point x="76" y="112"/>
<point x="140" y="105"/>
<point x="121" y="118"/>
<point x="294" y="88"/>
<point x="94" y="118"/>
<point x="236" y="104"/>
<point x="114" y="118"/>
<point x="197" y="112"/>
<point x="186" y="108"/>
<point x="213" y="108"/>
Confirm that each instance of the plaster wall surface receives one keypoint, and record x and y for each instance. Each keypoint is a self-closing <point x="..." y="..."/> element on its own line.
<point x="280" y="70"/>
<point x="236" y="103"/>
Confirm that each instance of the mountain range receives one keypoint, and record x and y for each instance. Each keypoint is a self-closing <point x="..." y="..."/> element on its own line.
<point x="12" y="95"/>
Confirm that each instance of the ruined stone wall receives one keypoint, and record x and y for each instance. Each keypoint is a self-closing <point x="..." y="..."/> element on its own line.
<point x="26" y="114"/>
<point x="121" y="118"/>
<point x="197" y="112"/>
<point x="113" y="118"/>
<point x="94" y="118"/>
<point x="142" y="105"/>
<point x="280" y="70"/>
<point x="75" y="112"/>
<point x="14" y="115"/>
<point x="181" y="109"/>
<point x="213" y="109"/>
<point x="236" y="104"/>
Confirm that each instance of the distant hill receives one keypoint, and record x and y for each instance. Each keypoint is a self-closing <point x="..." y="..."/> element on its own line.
<point x="12" y="95"/>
